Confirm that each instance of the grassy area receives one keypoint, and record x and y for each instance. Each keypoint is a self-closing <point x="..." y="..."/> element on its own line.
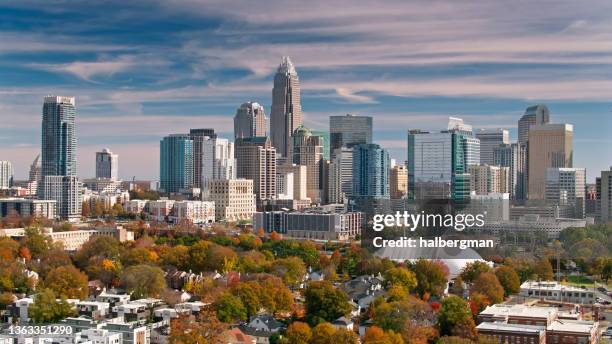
<point x="578" y="281"/>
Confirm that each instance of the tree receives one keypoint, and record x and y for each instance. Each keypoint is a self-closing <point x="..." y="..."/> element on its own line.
<point x="249" y="292"/>
<point x="67" y="281"/>
<point x="36" y="242"/>
<point x="509" y="279"/>
<point x="143" y="281"/>
<point x="376" y="335"/>
<point x="431" y="277"/>
<point x="205" y="329"/>
<point x="401" y="277"/>
<point x="230" y="308"/>
<point x="543" y="269"/>
<point x="85" y="212"/>
<point x="465" y="328"/>
<point x="472" y="270"/>
<point x="395" y="316"/>
<point x="344" y="336"/>
<point x="324" y="302"/>
<point x="323" y="333"/>
<point x="45" y="308"/>
<point x="487" y="284"/>
<point x="478" y="302"/>
<point x="454" y="311"/>
<point x="101" y="246"/>
<point x="291" y="270"/>
<point x="298" y="333"/>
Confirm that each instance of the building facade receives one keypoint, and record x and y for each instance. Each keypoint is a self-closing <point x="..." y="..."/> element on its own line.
<point x="250" y="121"/>
<point x="6" y="175"/>
<point x="198" y="136"/>
<point x="341" y="175"/>
<point x="256" y="160"/>
<point x="107" y="165"/>
<point x="348" y="131"/>
<point x="176" y="163"/>
<point x="286" y="113"/>
<point x="308" y="151"/>
<point x="489" y="140"/>
<point x="605" y="195"/>
<point x="218" y="162"/>
<point x="485" y="179"/>
<point x="234" y="199"/>
<point x="25" y="207"/>
<point x="316" y="225"/>
<point x="398" y="181"/>
<point x="567" y="186"/>
<point x="550" y="145"/>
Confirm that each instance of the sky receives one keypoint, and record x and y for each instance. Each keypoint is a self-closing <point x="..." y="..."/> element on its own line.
<point x="143" y="69"/>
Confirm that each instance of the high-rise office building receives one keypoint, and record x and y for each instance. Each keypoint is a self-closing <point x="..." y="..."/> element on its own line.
<point x="107" y="165"/>
<point x="58" y="157"/>
<point x="286" y="113"/>
<point x="299" y="176"/>
<point x="489" y="140"/>
<point x="549" y="145"/>
<point x="256" y="160"/>
<point x="604" y="190"/>
<point x="34" y="175"/>
<point x="513" y="156"/>
<point x="308" y="151"/>
<point x="348" y="131"/>
<point x="249" y="121"/>
<point x="198" y="136"/>
<point x="487" y="179"/>
<point x="534" y="115"/>
<point x="218" y="161"/>
<point x="398" y="181"/>
<point x="370" y="171"/>
<point x="436" y="166"/>
<point x="176" y="163"/>
<point x="6" y="175"/>
<point x="567" y="186"/>
<point x="324" y="135"/>
<point x="370" y="180"/>
<point x="341" y="175"/>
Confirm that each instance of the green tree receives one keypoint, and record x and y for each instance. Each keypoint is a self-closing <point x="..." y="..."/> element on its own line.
<point x="230" y="308"/>
<point x="509" y="279"/>
<point x="67" y="281"/>
<point x="543" y="269"/>
<point x="323" y="333"/>
<point x="36" y="241"/>
<point x="472" y="270"/>
<point x="143" y="281"/>
<point x="46" y="309"/>
<point x="324" y="302"/>
<point x="454" y="311"/>
<point x="401" y="277"/>
<point x="249" y="292"/>
<point x="487" y="284"/>
<point x="291" y="270"/>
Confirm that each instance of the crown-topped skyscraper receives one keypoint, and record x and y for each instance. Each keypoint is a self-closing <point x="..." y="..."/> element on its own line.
<point x="286" y="114"/>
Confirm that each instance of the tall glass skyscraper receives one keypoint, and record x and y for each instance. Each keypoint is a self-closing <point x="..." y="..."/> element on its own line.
<point x="59" y="141"/>
<point x="371" y="166"/>
<point x="176" y="163"/>
<point x="348" y="131"/>
<point x="286" y="114"/>
<point x="58" y="157"/>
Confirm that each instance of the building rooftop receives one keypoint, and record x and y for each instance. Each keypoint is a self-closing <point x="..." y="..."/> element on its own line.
<point x="578" y="326"/>
<point x="549" y="285"/>
<point x="501" y="326"/>
<point x="501" y="310"/>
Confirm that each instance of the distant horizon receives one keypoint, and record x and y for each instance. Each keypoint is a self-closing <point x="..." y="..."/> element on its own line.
<point x="408" y="65"/>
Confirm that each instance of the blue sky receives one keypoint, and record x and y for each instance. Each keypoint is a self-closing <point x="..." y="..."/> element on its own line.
<point x="144" y="69"/>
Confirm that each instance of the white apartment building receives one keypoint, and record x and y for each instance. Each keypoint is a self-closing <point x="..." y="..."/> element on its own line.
<point x="233" y="198"/>
<point x="6" y="175"/>
<point x="567" y="186"/>
<point x="160" y="210"/>
<point x="552" y="290"/>
<point x="197" y="212"/>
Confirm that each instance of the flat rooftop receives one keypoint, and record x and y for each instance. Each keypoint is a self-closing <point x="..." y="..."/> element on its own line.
<point x="501" y="310"/>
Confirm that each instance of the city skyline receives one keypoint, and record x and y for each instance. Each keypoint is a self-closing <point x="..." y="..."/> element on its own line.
<point x="130" y="92"/>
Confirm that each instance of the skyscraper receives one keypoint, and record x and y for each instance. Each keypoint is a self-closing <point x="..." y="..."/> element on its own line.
<point x="249" y="121"/>
<point x="486" y="179"/>
<point x="370" y="179"/>
<point x="437" y="166"/>
<point x="398" y="181"/>
<point x="325" y="137"/>
<point x="489" y="140"/>
<point x="567" y="186"/>
<point x="341" y="175"/>
<point x="605" y="195"/>
<point x="349" y="130"/>
<point x="34" y="174"/>
<point x="513" y="156"/>
<point x="198" y="136"/>
<point x="256" y="160"/>
<point x="107" y="165"/>
<point x="286" y="114"/>
<point x="549" y="145"/>
<point x="218" y="162"/>
<point x="176" y="163"/>
<point x="6" y="175"/>
<point x="58" y="137"/>
<point x="58" y="157"/>
<point x="308" y="151"/>
<point x="535" y="114"/>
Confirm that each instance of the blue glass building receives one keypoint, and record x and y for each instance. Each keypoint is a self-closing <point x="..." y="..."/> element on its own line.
<point x="176" y="163"/>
